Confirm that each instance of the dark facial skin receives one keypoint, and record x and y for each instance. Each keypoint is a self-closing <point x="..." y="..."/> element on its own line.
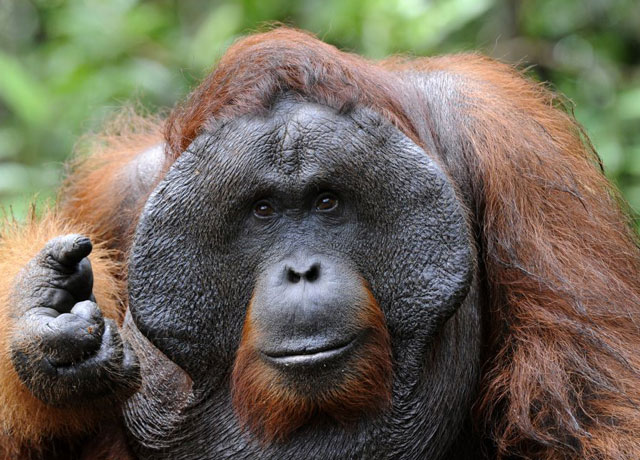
<point x="305" y="312"/>
<point x="303" y="306"/>
<point x="244" y="212"/>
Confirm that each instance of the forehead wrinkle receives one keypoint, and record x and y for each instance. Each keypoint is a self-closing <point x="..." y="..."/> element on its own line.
<point x="288" y="157"/>
<point x="299" y="134"/>
<point x="295" y="146"/>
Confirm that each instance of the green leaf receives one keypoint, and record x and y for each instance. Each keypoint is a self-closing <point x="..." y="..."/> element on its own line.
<point x="629" y="104"/>
<point x="21" y="93"/>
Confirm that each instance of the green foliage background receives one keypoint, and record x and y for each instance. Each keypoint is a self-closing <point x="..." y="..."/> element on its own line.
<point x="66" y="65"/>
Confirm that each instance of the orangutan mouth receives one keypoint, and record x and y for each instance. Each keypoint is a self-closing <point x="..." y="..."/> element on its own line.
<point x="310" y="355"/>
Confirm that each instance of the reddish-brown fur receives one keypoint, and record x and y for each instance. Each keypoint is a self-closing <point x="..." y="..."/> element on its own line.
<point x="563" y="267"/>
<point x="562" y="373"/>
<point x="89" y="205"/>
<point x="98" y="192"/>
<point x="24" y="418"/>
<point x="256" y="69"/>
<point x="271" y="407"/>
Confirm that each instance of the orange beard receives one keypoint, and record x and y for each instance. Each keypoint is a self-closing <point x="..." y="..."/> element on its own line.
<point x="272" y="408"/>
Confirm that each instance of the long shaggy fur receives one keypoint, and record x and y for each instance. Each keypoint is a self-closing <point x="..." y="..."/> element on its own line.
<point x="102" y="190"/>
<point x="24" y="419"/>
<point x="561" y="262"/>
<point x="563" y="372"/>
<point x="98" y="202"/>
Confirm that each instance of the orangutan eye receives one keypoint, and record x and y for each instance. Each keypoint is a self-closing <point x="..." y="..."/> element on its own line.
<point x="326" y="202"/>
<point x="263" y="209"/>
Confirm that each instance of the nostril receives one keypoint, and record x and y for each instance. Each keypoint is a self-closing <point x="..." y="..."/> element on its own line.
<point x="293" y="276"/>
<point x="313" y="273"/>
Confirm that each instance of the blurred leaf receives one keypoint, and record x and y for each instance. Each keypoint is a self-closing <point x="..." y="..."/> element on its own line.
<point x="11" y="142"/>
<point x="629" y="105"/>
<point x="65" y="65"/>
<point x="18" y="177"/>
<point x="21" y="93"/>
<point x="13" y="177"/>
<point x="217" y="29"/>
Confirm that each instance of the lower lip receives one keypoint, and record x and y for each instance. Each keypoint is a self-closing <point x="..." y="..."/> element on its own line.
<point x="310" y="359"/>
